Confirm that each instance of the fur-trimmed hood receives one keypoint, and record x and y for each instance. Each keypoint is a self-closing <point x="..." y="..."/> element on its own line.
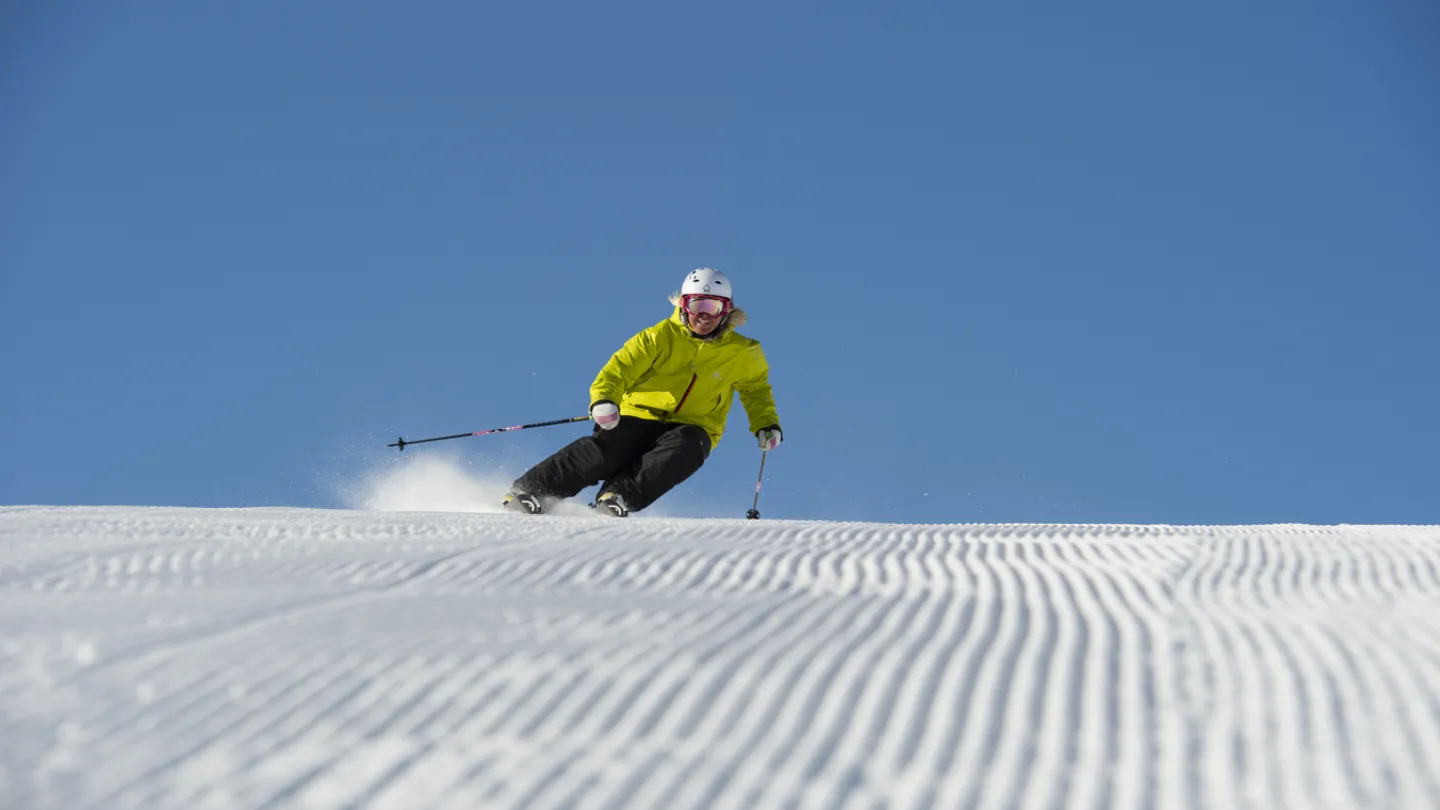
<point x="736" y="319"/>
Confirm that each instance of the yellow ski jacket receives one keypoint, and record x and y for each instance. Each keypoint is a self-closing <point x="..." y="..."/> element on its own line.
<point x="667" y="374"/>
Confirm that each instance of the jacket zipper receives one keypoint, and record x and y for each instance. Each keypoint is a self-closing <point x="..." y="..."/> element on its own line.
<point x="686" y="395"/>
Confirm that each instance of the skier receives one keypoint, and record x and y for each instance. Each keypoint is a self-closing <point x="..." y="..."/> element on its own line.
<point x="660" y="405"/>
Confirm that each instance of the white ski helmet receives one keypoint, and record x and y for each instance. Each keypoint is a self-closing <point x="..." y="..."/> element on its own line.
<point x="707" y="281"/>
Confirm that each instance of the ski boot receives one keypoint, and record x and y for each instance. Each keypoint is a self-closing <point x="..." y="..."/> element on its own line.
<point x="522" y="502"/>
<point x="611" y="504"/>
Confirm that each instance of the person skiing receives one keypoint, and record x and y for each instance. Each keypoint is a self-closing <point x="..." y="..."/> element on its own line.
<point x="660" y="406"/>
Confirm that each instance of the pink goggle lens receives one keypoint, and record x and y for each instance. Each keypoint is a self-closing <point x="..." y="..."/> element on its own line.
<point x="696" y="305"/>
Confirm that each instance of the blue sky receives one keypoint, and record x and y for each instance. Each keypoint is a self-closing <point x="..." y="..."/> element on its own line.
<point x="1101" y="262"/>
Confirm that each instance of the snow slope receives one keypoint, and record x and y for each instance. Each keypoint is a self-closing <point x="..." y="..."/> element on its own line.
<point x="154" y="658"/>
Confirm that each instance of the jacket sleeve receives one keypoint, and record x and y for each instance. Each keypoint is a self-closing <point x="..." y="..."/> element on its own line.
<point x="755" y="394"/>
<point x="626" y="366"/>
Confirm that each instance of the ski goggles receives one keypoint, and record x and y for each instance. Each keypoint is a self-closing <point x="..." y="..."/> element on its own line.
<point x="706" y="305"/>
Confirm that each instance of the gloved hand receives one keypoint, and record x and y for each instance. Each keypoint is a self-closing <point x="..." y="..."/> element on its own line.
<point x="770" y="437"/>
<point x="606" y="414"/>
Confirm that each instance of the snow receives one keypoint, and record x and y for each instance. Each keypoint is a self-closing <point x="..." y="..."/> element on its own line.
<point x="299" y="658"/>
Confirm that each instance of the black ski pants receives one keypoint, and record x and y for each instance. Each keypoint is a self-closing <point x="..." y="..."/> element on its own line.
<point x="638" y="459"/>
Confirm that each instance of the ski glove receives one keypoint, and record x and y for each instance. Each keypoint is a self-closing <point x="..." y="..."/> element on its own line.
<point x="769" y="437"/>
<point x="606" y="414"/>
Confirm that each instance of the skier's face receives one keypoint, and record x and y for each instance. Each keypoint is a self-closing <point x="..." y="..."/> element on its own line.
<point x="703" y="324"/>
<point x="705" y="312"/>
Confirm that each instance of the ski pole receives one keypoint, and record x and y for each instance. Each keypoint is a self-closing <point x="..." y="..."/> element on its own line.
<point x="402" y="443"/>
<point x="754" y="513"/>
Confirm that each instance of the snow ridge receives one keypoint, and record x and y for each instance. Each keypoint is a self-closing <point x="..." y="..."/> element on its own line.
<point x="306" y="658"/>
